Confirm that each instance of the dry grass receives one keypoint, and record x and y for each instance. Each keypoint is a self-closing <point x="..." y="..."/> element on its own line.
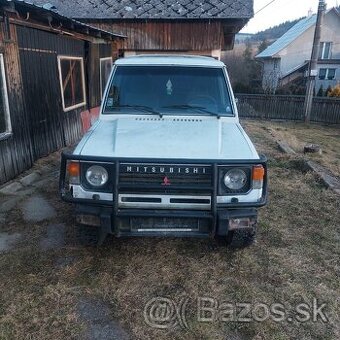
<point x="298" y="135"/>
<point x="295" y="259"/>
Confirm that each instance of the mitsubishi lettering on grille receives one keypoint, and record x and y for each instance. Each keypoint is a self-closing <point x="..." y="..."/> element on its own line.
<point x="164" y="169"/>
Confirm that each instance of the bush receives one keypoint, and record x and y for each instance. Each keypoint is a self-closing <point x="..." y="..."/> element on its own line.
<point x="334" y="92"/>
<point x="328" y="90"/>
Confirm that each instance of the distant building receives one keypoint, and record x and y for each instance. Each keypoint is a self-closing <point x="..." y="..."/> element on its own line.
<point x="286" y="60"/>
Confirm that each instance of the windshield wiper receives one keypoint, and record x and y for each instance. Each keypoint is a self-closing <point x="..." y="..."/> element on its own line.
<point x="192" y="107"/>
<point x="142" y="108"/>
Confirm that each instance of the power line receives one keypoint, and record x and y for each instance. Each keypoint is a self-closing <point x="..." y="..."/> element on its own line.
<point x="261" y="9"/>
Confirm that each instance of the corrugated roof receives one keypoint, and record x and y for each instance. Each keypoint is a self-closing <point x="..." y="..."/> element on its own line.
<point x="153" y="9"/>
<point x="47" y="7"/>
<point x="299" y="28"/>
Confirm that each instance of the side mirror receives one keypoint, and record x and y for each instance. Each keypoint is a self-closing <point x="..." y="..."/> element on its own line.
<point x="236" y="101"/>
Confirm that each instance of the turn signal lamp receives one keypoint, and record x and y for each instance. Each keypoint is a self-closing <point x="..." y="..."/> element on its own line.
<point x="73" y="170"/>
<point x="258" y="176"/>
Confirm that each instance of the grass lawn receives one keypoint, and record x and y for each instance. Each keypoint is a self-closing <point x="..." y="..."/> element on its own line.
<point x="298" y="135"/>
<point x="295" y="260"/>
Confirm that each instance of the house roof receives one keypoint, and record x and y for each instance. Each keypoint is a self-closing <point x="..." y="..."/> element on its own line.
<point x="75" y="24"/>
<point x="153" y="9"/>
<point x="299" y="28"/>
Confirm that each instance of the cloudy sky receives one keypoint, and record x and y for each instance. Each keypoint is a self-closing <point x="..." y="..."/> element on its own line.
<point x="280" y="11"/>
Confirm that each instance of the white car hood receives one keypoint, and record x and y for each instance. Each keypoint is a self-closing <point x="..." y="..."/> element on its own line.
<point x="169" y="137"/>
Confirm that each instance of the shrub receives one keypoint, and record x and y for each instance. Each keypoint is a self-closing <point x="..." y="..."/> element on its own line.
<point x="335" y="91"/>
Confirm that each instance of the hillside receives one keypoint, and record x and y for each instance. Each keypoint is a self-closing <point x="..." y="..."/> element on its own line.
<point x="277" y="31"/>
<point x="274" y="32"/>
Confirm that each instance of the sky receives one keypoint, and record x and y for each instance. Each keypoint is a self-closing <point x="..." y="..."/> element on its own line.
<point x="280" y="11"/>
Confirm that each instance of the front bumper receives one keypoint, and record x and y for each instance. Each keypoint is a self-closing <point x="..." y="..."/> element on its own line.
<point x="150" y="222"/>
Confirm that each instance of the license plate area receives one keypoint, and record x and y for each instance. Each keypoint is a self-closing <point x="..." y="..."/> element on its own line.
<point x="167" y="224"/>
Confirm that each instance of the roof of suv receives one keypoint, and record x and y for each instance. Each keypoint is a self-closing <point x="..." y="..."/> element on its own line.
<point x="180" y="60"/>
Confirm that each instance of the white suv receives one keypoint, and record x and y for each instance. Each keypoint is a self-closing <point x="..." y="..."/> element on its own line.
<point x="168" y="156"/>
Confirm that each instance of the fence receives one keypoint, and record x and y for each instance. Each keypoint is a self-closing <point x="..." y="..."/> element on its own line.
<point x="324" y="110"/>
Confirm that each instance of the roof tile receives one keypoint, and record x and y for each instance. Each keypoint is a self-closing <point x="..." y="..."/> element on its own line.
<point x="145" y="9"/>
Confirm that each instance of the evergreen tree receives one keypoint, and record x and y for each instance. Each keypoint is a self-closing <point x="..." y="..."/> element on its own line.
<point x="320" y="92"/>
<point x="264" y="44"/>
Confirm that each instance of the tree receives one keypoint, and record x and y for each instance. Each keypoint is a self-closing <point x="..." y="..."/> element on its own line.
<point x="245" y="72"/>
<point x="264" y="44"/>
<point x="320" y="92"/>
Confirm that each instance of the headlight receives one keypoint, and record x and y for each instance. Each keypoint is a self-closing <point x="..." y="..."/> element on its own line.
<point x="235" y="179"/>
<point x="97" y="176"/>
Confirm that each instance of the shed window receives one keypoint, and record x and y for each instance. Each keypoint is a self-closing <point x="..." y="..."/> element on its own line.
<point x="5" y="120"/>
<point x="72" y="82"/>
<point x="105" y="70"/>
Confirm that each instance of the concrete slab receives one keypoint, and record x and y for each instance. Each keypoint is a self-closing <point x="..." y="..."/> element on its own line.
<point x="325" y="175"/>
<point x="55" y="237"/>
<point x="30" y="179"/>
<point x="7" y="241"/>
<point x="11" y="188"/>
<point x="9" y="204"/>
<point x="284" y="147"/>
<point x="37" y="209"/>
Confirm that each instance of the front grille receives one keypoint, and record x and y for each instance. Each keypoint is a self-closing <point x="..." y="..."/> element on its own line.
<point x="158" y="178"/>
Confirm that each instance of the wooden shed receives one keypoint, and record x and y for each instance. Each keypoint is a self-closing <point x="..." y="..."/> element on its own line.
<point x="53" y="72"/>
<point x="204" y="27"/>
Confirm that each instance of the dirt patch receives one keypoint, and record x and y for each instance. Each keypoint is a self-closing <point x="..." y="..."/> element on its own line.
<point x="7" y="241"/>
<point x="98" y="320"/>
<point x="55" y="237"/>
<point x="37" y="209"/>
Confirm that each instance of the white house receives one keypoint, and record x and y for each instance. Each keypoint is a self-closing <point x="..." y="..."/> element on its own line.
<point x="287" y="58"/>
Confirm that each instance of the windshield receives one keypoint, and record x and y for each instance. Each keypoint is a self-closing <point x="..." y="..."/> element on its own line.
<point x="168" y="90"/>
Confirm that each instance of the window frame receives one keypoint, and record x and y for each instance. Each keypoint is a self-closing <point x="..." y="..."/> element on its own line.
<point x="81" y="59"/>
<point x="100" y="74"/>
<point x="4" y="93"/>
<point x="323" y="48"/>
<point x="234" y="111"/>
<point x="326" y="70"/>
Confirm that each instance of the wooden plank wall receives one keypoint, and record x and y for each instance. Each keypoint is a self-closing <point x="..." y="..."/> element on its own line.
<point x="167" y="35"/>
<point x="40" y="126"/>
<point x="16" y="154"/>
<point x="96" y="51"/>
<point x="50" y="127"/>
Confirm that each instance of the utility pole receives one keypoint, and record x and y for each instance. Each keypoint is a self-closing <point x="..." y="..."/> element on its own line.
<point x="312" y="68"/>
